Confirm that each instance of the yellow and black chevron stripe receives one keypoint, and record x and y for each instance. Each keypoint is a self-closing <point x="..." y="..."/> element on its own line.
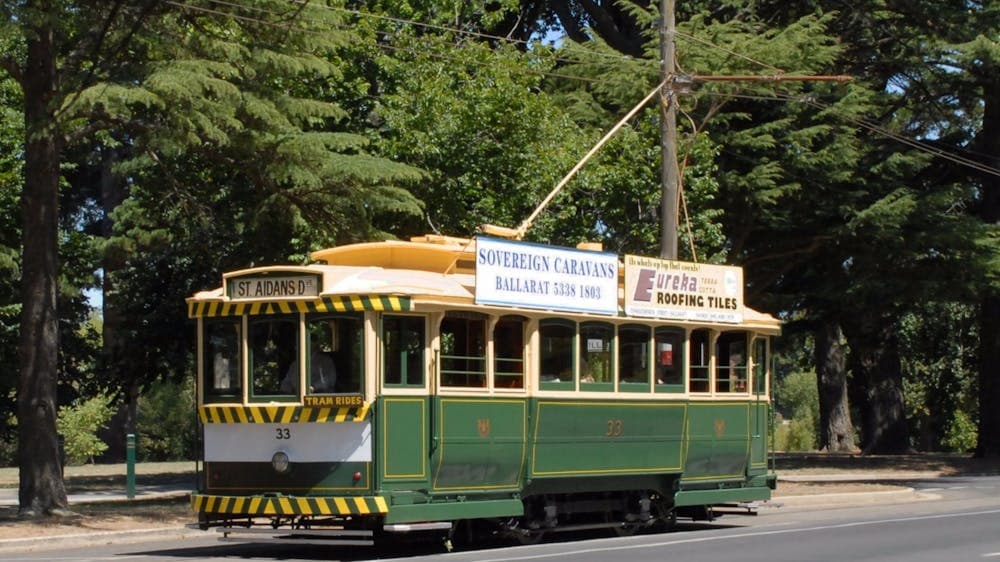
<point x="289" y="505"/>
<point x="283" y="414"/>
<point x="356" y="303"/>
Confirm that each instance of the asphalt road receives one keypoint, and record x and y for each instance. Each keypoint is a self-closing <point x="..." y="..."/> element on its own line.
<point x="950" y="519"/>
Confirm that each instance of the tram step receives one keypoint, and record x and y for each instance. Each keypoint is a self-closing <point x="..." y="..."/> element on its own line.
<point x="298" y="536"/>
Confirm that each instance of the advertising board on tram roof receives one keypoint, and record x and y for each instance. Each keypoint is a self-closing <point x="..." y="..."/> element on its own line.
<point x="677" y="290"/>
<point x="535" y="276"/>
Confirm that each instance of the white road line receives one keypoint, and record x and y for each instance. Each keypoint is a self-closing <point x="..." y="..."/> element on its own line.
<point x="620" y="547"/>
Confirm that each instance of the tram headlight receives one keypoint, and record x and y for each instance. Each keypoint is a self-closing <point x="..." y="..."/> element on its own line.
<point x="280" y="462"/>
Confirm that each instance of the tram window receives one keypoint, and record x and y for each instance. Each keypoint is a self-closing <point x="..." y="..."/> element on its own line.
<point x="274" y="350"/>
<point x="403" y="350"/>
<point x="595" y="356"/>
<point x="463" y="349"/>
<point x="335" y="354"/>
<point x="668" y="359"/>
<point x="759" y="366"/>
<point x="556" y="343"/>
<point x="633" y="356"/>
<point x="508" y="352"/>
<point x="700" y="356"/>
<point x="731" y="362"/>
<point x="223" y="376"/>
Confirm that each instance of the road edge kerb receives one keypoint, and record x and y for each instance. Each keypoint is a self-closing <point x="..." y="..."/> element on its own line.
<point x="94" y="537"/>
<point x="843" y="498"/>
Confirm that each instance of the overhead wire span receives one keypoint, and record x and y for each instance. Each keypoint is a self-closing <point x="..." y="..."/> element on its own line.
<point x="380" y="44"/>
<point x="777" y="77"/>
<point x="875" y="128"/>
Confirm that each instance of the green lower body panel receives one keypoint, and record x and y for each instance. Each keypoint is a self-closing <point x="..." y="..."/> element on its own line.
<point x="450" y="511"/>
<point x="729" y="495"/>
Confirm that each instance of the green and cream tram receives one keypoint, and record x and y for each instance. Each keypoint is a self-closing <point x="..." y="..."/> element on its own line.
<point x="412" y="385"/>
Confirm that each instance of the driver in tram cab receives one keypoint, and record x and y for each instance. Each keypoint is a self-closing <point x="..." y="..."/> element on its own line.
<point x="322" y="372"/>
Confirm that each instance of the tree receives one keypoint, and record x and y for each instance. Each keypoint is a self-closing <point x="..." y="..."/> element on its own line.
<point x="473" y="118"/>
<point x="836" y="430"/>
<point x="11" y="172"/>
<point x="93" y="70"/>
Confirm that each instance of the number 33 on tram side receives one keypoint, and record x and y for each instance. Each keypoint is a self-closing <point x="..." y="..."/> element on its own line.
<point x="517" y="388"/>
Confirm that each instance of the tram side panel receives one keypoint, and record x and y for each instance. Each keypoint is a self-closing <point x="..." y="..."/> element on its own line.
<point x="725" y="457"/>
<point x="595" y="446"/>
<point x="479" y="444"/>
<point x="442" y="459"/>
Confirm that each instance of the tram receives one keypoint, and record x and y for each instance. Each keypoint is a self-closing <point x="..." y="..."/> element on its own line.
<point x="439" y="383"/>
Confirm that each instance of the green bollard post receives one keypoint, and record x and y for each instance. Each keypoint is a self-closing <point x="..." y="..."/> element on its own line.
<point x="130" y="466"/>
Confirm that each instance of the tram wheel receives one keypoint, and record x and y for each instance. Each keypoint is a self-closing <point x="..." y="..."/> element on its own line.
<point x="529" y="537"/>
<point x="625" y="529"/>
<point x="666" y="516"/>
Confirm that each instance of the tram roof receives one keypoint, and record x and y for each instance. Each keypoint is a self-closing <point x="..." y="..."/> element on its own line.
<point x="430" y="269"/>
<point x="437" y="254"/>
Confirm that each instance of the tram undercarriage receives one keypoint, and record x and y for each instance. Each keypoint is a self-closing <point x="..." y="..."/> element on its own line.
<point x="623" y="513"/>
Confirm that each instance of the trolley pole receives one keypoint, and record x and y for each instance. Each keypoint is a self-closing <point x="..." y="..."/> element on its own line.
<point x="668" y="135"/>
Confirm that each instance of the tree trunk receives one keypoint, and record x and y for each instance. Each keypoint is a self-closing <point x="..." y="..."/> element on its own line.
<point x="875" y="359"/>
<point x="41" y="489"/>
<point x="836" y="432"/>
<point x="988" y="444"/>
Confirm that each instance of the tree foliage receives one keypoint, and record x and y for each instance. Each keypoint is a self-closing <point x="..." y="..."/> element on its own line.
<point x="79" y="423"/>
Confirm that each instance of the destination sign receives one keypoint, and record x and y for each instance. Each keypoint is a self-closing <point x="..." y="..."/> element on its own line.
<point x="273" y="286"/>
<point x="679" y="290"/>
<point x="535" y="276"/>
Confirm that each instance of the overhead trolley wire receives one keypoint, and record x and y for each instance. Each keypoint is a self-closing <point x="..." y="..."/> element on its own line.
<point x="874" y="128"/>
<point x="380" y="44"/>
<point x="778" y="76"/>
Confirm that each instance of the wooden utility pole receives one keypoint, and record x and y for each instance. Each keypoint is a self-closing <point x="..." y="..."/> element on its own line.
<point x="668" y="136"/>
<point x="670" y="173"/>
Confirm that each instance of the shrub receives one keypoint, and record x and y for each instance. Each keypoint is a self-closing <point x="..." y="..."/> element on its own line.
<point x="798" y="398"/>
<point x="79" y="423"/>
<point x="961" y="434"/>
<point x="167" y="422"/>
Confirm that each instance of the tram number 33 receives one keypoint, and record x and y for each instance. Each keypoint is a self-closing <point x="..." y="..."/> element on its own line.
<point x="282" y="433"/>
<point x="615" y="428"/>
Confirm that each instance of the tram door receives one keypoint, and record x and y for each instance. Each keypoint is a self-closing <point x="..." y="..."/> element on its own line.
<point x="403" y="408"/>
<point x="759" y="408"/>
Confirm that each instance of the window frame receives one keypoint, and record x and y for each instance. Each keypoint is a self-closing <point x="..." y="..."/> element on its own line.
<point x="251" y="393"/>
<point x="724" y="370"/>
<point x="631" y="385"/>
<point x="679" y="357"/>
<point x="609" y="363"/>
<point x="208" y="393"/>
<point x="348" y="356"/>
<point x="708" y="379"/>
<point x="383" y="364"/>
<point x="468" y="318"/>
<point x="574" y="338"/>
<point x="503" y="375"/>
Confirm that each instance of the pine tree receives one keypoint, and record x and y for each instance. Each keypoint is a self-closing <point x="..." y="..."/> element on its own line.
<point x="173" y="89"/>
